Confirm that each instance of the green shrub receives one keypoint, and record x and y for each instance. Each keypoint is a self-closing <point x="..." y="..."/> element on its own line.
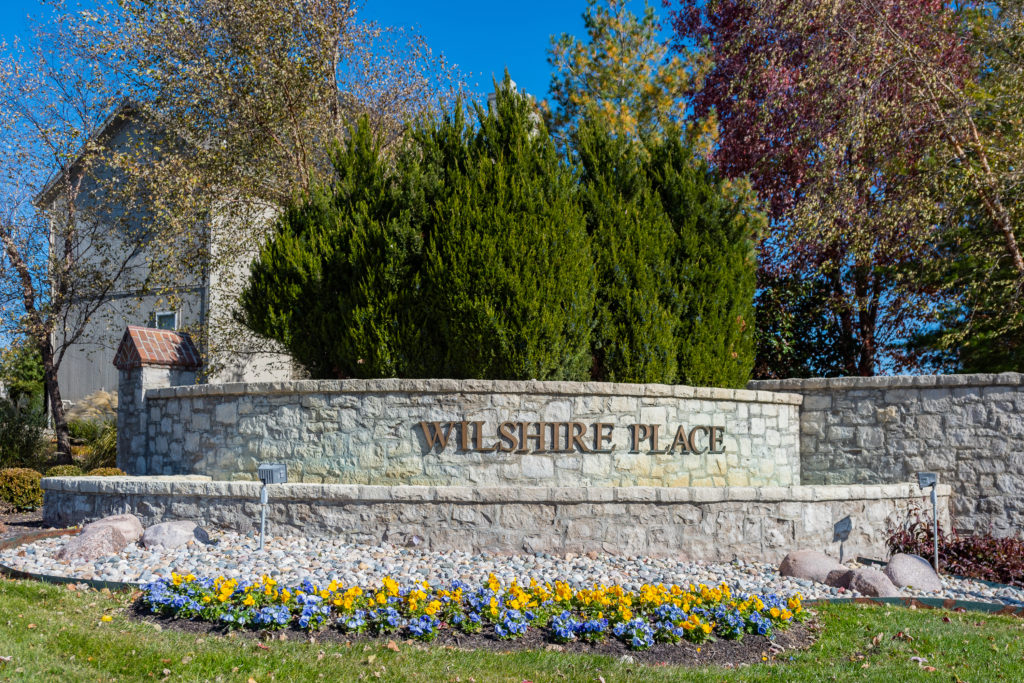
<point x="21" y="434"/>
<point x="636" y="338"/>
<point x="84" y="430"/>
<point x="64" y="471"/>
<point x="19" y="488"/>
<point x="717" y="228"/>
<point x="21" y="370"/>
<point x="466" y="257"/>
<point x="332" y="285"/>
<point x="106" y="472"/>
<point x="478" y="252"/>
<point x="509" y="276"/>
<point x="103" y="448"/>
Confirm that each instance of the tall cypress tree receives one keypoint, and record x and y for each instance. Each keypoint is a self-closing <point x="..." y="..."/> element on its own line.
<point x="465" y="257"/>
<point x="336" y="283"/>
<point x="509" y="274"/>
<point x="633" y="241"/>
<point x="714" y="265"/>
<point x="478" y="253"/>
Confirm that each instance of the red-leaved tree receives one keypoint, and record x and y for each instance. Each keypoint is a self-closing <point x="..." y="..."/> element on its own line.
<point x="820" y="107"/>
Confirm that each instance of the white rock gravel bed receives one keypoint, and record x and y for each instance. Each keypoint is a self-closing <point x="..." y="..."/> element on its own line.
<point x="290" y="560"/>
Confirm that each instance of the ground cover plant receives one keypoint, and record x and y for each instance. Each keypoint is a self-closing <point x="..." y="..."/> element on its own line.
<point x="52" y="633"/>
<point x="654" y="614"/>
<point x="21" y="434"/>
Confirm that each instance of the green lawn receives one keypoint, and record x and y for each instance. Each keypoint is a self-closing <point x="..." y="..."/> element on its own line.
<point x="54" y="634"/>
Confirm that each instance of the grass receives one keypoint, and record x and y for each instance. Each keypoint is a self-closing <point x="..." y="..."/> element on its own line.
<point x="55" y="634"/>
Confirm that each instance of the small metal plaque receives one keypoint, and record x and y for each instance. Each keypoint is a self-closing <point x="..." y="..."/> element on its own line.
<point x="926" y="479"/>
<point x="273" y="473"/>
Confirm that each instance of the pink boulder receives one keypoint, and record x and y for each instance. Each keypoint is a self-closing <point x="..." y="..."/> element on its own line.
<point x="129" y="526"/>
<point x="808" y="564"/>
<point x="93" y="544"/>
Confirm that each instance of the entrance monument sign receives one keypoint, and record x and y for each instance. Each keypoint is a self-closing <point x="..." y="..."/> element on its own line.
<point x="507" y="466"/>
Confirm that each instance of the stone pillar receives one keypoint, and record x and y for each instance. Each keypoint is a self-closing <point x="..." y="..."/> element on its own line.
<point x="147" y="359"/>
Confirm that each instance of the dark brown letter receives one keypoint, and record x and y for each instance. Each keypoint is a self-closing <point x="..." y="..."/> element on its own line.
<point x="716" y="440"/>
<point x="693" y="441"/>
<point x="600" y="438"/>
<point x="433" y="434"/>
<point x="640" y="432"/>
<point x="680" y="441"/>
<point x="507" y="432"/>
<point x="577" y="430"/>
<point x="538" y="437"/>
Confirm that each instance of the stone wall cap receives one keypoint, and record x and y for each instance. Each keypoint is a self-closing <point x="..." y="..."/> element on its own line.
<point x="361" y="493"/>
<point x="477" y="386"/>
<point x="888" y="382"/>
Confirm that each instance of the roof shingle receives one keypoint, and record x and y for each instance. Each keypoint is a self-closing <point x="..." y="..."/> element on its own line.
<point x="149" y="346"/>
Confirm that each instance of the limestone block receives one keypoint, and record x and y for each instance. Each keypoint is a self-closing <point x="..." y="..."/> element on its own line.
<point x="537" y="467"/>
<point x="870" y="437"/>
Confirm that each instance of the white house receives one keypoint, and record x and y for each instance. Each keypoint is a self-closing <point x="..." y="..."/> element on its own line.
<point x="198" y="301"/>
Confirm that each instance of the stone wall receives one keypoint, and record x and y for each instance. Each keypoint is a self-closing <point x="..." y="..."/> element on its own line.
<point x="372" y="432"/>
<point x="694" y="523"/>
<point x="132" y="414"/>
<point x="967" y="428"/>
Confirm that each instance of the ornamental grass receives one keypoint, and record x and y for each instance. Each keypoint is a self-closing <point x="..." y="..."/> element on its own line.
<point x="654" y="614"/>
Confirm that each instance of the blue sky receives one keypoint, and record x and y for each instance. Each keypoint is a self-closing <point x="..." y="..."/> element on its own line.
<point x="481" y="37"/>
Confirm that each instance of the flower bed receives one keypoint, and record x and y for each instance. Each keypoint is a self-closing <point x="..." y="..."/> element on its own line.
<point x="654" y="614"/>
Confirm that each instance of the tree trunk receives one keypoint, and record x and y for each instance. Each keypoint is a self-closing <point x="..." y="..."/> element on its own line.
<point x="60" y="421"/>
<point x="867" y="319"/>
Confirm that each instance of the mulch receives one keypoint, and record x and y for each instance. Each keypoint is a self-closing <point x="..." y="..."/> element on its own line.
<point x="726" y="653"/>
<point x="16" y="523"/>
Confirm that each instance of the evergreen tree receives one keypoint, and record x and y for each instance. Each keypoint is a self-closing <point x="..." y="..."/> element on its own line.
<point x="509" y="275"/>
<point x="637" y="316"/>
<point x="21" y="371"/>
<point x="467" y="257"/>
<point x="336" y="283"/>
<point x="478" y="253"/>
<point x="714" y="263"/>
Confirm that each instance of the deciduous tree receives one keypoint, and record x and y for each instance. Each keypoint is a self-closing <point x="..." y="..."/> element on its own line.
<point x="253" y="94"/>
<point x="622" y="75"/>
<point x="70" y="235"/>
<point x="818" y="105"/>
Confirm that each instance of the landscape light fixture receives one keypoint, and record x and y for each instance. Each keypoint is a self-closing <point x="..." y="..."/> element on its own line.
<point x="841" y="532"/>
<point x="926" y="480"/>
<point x="269" y="473"/>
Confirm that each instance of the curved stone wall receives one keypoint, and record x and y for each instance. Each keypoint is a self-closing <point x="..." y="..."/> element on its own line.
<point x="469" y="432"/>
<point x="706" y="524"/>
<point x="967" y="428"/>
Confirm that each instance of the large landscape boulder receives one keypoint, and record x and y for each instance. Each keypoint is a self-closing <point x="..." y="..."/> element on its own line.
<point x="169" y="535"/>
<point x="872" y="583"/>
<point x="808" y="564"/>
<point x="129" y="525"/>
<point x="93" y="544"/>
<point x="914" y="571"/>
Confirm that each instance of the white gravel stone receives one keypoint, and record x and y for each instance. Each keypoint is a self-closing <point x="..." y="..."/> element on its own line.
<point x="292" y="559"/>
